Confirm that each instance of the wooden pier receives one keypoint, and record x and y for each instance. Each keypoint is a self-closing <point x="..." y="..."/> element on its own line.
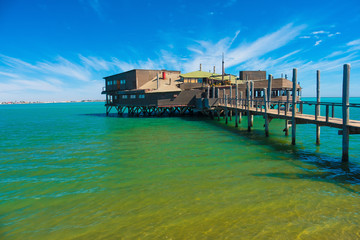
<point x="290" y="110"/>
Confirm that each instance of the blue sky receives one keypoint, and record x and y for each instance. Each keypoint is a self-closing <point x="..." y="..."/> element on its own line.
<point x="60" y="50"/>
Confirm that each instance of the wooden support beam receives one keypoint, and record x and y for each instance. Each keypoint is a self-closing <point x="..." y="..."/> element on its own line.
<point x="345" y="113"/>
<point x="287" y="102"/>
<point x="224" y="100"/>
<point x="248" y="105"/>
<point x="286" y="129"/>
<point x="327" y="113"/>
<point x="226" y="110"/>
<point x="269" y="90"/>
<point x="279" y="107"/>
<point x="252" y="94"/>
<point x="341" y="132"/>
<point x="236" y="104"/>
<point x="293" y="125"/>
<point x="266" y="116"/>
<point x="317" y="107"/>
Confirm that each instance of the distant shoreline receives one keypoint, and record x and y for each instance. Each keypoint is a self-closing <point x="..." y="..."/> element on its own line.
<point x="82" y="101"/>
<point x="43" y="102"/>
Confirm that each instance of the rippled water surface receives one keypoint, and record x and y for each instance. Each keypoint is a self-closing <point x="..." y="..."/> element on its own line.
<point x="69" y="172"/>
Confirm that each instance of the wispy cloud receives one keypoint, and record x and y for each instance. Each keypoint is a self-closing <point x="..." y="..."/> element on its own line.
<point x="334" y="34"/>
<point x="80" y="77"/>
<point x="208" y="53"/>
<point x="94" y="5"/>
<point x="66" y="68"/>
<point x="319" y="32"/>
<point x="317" y="42"/>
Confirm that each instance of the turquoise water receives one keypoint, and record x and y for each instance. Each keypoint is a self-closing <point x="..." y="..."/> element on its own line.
<point x="69" y="172"/>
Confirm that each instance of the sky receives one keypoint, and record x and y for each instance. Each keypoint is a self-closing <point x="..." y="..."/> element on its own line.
<point x="61" y="50"/>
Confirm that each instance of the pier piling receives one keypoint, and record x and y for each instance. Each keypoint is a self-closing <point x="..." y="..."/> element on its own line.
<point x="248" y="105"/>
<point x="293" y="120"/>
<point x="266" y="116"/>
<point x="345" y="113"/>
<point x="317" y="108"/>
<point x="269" y="90"/>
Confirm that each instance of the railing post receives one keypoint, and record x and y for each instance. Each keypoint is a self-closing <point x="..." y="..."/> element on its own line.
<point x="287" y="102"/>
<point x="224" y="98"/>
<point x="248" y="105"/>
<point x="269" y="90"/>
<point x="240" y="112"/>
<point x="266" y="116"/>
<point x="345" y="113"/>
<point x="252" y="93"/>
<point x="236" y="104"/>
<point x="226" y="110"/>
<point x="327" y="113"/>
<point x="293" y="122"/>
<point x="208" y="92"/>
<point x="213" y="92"/>
<point x="279" y="104"/>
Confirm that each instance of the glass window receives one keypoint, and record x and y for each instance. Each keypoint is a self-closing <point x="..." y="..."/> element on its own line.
<point x="132" y="96"/>
<point x="124" y="96"/>
<point x="122" y="81"/>
<point x="200" y="80"/>
<point x="141" y="96"/>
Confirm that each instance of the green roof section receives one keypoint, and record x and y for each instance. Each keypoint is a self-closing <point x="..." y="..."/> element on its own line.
<point x="212" y="76"/>
<point x="226" y="77"/>
<point x="196" y="74"/>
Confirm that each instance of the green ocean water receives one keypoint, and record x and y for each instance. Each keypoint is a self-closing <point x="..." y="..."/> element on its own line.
<point x="69" y="172"/>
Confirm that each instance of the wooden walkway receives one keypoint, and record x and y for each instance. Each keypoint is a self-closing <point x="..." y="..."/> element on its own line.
<point x="291" y="110"/>
<point x="300" y="118"/>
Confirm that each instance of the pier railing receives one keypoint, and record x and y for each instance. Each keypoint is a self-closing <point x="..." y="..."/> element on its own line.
<point x="258" y="105"/>
<point x="292" y="110"/>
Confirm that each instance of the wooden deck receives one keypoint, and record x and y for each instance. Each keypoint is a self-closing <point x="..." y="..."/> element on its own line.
<point x="300" y="118"/>
<point x="291" y="110"/>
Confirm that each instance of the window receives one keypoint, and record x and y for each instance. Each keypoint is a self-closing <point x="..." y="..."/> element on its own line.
<point x="122" y="81"/>
<point x="132" y="96"/>
<point x="141" y="96"/>
<point x="124" y="96"/>
<point x="200" y="80"/>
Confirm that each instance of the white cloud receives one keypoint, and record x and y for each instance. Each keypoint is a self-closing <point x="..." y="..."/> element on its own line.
<point x="305" y="37"/>
<point x="354" y="43"/>
<point x="12" y="75"/>
<point x="334" y="34"/>
<point x="95" y="63"/>
<point x="320" y="32"/>
<point x="209" y="53"/>
<point x="66" y="68"/>
<point x="317" y="42"/>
